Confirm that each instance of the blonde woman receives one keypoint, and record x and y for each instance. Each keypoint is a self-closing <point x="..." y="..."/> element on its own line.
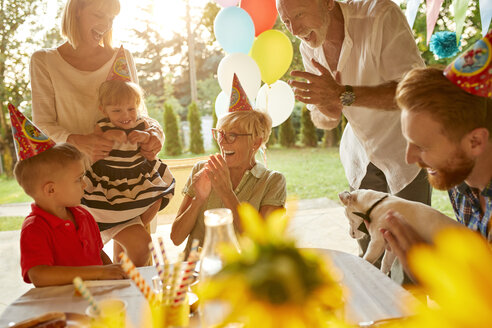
<point x="64" y="80"/>
<point x="231" y="177"/>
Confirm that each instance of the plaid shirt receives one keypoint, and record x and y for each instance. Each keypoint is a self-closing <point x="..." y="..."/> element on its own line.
<point x="466" y="205"/>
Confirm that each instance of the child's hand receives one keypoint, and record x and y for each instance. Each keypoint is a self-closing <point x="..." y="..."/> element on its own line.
<point x="116" y="136"/>
<point x="112" y="272"/>
<point x="138" y="137"/>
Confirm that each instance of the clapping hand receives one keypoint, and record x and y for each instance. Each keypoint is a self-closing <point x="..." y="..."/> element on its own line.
<point x="203" y="186"/>
<point x="219" y="176"/>
<point x="321" y="90"/>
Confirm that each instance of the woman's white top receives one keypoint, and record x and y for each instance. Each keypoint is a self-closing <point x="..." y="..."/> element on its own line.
<point x="64" y="99"/>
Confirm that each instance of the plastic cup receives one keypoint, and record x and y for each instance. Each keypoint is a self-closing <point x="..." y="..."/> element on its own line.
<point x="113" y="314"/>
<point x="178" y="315"/>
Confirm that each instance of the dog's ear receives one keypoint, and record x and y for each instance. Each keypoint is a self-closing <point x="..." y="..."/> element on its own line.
<point x="345" y="197"/>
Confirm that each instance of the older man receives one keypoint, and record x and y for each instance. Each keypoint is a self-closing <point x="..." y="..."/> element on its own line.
<point x="368" y="46"/>
<point x="449" y="133"/>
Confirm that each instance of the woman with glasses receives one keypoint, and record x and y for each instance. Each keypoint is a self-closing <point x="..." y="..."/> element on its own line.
<point x="231" y="177"/>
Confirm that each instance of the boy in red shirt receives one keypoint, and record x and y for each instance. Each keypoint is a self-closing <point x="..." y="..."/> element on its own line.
<point x="59" y="239"/>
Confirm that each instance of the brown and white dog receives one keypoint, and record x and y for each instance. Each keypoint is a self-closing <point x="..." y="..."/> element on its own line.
<point x="373" y="206"/>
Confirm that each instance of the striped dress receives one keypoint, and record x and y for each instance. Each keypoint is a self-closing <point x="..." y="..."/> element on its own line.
<point x="125" y="184"/>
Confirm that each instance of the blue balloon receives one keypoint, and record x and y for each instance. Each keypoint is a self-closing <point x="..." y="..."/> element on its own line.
<point x="234" y="30"/>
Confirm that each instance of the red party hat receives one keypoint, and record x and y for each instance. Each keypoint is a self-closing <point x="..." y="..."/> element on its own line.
<point x="120" y="69"/>
<point x="28" y="139"/>
<point x="239" y="99"/>
<point x="472" y="70"/>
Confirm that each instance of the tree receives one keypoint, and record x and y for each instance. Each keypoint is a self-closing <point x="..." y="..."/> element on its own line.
<point x="196" y="137"/>
<point x="172" y="143"/>
<point x="273" y="137"/>
<point x="309" y="137"/>
<point x="14" y="14"/>
<point x="214" y="124"/>
<point x="287" y="134"/>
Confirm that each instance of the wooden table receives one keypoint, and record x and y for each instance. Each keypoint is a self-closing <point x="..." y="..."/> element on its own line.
<point x="372" y="295"/>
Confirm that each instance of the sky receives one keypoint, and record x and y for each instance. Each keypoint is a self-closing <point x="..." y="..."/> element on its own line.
<point x="168" y="16"/>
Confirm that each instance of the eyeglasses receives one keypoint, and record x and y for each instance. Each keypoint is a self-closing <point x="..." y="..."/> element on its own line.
<point x="222" y="136"/>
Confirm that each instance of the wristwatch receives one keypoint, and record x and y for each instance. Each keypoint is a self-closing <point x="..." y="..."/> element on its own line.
<point x="348" y="96"/>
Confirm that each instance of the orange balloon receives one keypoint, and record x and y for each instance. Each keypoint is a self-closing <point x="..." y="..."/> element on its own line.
<point x="262" y="12"/>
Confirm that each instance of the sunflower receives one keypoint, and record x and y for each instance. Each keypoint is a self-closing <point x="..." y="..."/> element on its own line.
<point x="271" y="283"/>
<point x="456" y="273"/>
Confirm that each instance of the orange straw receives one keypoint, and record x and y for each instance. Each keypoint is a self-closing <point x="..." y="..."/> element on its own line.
<point x="133" y="273"/>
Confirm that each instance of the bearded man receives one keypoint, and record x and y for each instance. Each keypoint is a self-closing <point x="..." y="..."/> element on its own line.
<point x="447" y="121"/>
<point x="449" y="133"/>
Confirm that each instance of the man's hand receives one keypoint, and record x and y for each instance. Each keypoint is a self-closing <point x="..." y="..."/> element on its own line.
<point x="322" y="90"/>
<point x="401" y="237"/>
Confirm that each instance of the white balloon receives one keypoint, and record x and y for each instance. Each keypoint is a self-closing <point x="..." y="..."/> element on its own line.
<point x="278" y="100"/>
<point x="222" y="104"/>
<point x="246" y="70"/>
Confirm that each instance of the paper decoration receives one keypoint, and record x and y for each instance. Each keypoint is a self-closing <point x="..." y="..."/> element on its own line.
<point x="120" y="69"/>
<point x="460" y="7"/>
<point x="239" y="100"/>
<point x="485" y="14"/>
<point x="28" y="139"/>
<point x="411" y="11"/>
<point x="433" y="7"/>
<point x="472" y="70"/>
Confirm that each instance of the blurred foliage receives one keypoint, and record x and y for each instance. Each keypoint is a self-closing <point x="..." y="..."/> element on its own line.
<point x="196" y="137"/>
<point x="172" y="143"/>
<point x="287" y="133"/>
<point x="309" y="138"/>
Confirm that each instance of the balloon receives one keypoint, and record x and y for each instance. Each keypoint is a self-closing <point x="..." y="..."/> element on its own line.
<point x="263" y="13"/>
<point x="234" y="30"/>
<point x="227" y="3"/>
<point x="222" y="104"/>
<point x="273" y="52"/>
<point x="277" y="99"/>
<point x="247" y="71"/>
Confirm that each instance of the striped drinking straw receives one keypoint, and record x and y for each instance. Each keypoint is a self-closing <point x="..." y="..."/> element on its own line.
<point x="82" y="288"/>
<point x="157" y="264"/>
<point x="175" y="277"/>
<point x="133" y="273"/>
<point x="165" y="273"/>
<point x="187" y="274"/>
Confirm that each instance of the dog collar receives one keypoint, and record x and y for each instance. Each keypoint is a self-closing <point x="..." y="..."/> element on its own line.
<point x="366" y="216"/>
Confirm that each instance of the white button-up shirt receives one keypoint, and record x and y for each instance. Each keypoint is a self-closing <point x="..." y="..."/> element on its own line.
<point x="378" y="47"/>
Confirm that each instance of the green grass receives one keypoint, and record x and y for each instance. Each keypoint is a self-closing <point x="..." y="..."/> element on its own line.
<point x="10" y="192"/>
<point x="9" y="223"/>
<point x="310" y="173"/>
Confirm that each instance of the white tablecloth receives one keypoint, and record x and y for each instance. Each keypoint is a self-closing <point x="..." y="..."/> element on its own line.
<point x="372" y="295"/>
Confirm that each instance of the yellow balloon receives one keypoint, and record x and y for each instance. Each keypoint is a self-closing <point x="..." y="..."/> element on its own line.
<point x="272" y="51"/>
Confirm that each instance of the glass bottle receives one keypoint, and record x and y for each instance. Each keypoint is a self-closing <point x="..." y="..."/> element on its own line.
<point x="219" y="230"/>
